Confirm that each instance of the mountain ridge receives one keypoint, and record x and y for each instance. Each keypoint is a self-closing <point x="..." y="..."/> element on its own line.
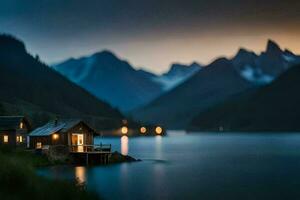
<point x="28" y="86"/>
<point x="210" y="85"/>
<point x="104" y="72"/>
<point x="256" y="70"/>
<point x="274" y="107"/>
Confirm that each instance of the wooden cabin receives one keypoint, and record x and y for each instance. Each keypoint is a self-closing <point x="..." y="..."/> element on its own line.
<point x="14" y="130"/>
<point x="75" y="134"/>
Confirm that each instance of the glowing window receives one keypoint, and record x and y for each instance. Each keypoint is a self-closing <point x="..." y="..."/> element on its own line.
<point x="21" y="125"/>
<point x="21" y="138"/>
<point x="5" y="138"/>
<point x="38" y="145"/>
<point x="18" y="138"/>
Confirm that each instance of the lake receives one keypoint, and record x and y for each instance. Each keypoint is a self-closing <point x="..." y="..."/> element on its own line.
<point x="196" y="166"/>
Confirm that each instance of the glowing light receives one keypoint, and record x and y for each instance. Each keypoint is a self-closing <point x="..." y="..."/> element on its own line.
<point x="38" y="145"/>
<point x="5" y="138"/>
<point x="21" y="125"/>
<point x="143" y="130"/>
<point x="158" y="130"/>
<point x="55" y="136"/>
<point x="124" y="130"/>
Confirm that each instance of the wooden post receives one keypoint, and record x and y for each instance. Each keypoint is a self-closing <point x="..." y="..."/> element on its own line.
<point x="87" y="159"/>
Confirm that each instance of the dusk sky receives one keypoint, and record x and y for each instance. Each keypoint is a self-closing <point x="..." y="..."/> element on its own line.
<point x="150" y="34"/>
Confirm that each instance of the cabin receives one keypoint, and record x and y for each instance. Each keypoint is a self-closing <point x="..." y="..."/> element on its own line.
<point x="75" y="134"/>
<point x="14" y="130"/>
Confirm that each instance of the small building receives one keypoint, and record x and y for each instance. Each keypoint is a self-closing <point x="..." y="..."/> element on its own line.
<point x="14" y="130"/>
<point x="75" y="134"/>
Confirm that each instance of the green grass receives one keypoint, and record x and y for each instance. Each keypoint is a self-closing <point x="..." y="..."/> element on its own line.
<point x="25" y="156"/>
<point x="18" y="179"/>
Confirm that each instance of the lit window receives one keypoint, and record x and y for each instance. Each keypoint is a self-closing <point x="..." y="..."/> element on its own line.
<point x="5" y="138"/>
<point x="38" y="145"/>
<point x="21" y="138"/>
<point x="21" y="125"/>
<point x="18" y="138"/>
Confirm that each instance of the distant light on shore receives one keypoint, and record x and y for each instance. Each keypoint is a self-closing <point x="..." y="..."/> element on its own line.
<point x="124" y="130"/>
<point x="158" y="130"/>
<point x="143" y="130"/>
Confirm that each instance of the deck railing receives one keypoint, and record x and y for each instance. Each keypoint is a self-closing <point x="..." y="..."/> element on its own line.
<point x="91" y="148"/>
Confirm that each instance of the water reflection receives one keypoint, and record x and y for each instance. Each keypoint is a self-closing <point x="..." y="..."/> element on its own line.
<point x="196" y="166"/>
<point x="124" y="145"/>
<point x="80" y="174"/>
<point x="158" y="146"/>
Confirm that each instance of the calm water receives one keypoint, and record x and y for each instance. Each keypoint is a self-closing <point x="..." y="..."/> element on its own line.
<point x="197" y="166"/>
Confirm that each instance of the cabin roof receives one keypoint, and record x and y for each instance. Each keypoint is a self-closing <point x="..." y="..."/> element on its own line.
<point x="62" y="125"/>
<point x="10" y="122"/>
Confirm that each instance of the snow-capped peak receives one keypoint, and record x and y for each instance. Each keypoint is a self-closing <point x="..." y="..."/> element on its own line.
<point x="177" y="74"/>
<point x="255" y="75"/>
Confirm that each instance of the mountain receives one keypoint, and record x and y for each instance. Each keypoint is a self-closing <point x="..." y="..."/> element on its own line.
<point x="274" y="107"/>
<point x="146" y="74"/>
<point x="111" y="79"/>
<point x="215" y="83"/>
<point x="117" y="82"/>
<point x="29" y="87"/>
<point x="211" y="85"/>
<point x="264" y="68"/>
<point x="177" y="74"/>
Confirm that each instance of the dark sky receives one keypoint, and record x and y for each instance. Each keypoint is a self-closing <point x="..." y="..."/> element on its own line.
<point x="150" y="34"/>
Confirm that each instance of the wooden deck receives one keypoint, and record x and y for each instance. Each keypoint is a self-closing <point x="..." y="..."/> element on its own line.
<point x="91" y="154"/>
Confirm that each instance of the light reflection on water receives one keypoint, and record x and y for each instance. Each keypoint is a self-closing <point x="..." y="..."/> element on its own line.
<point x="124" y="145"/>
<point x="210" y="166"/>
<point x="158" y="147"/>
<point x="80" y="174"/>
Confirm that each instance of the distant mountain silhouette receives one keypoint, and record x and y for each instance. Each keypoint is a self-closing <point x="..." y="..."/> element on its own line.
<point x="264" y="68"/>
<point x="117" y="82"/>
<point x="215" y="83"/>
<point x="30" y="87"/>
<point x="274" y="107"/>
<point x="177" y="74"/>
<point x="111" y="79"/>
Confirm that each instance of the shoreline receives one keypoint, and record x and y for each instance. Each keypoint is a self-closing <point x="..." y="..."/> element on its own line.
<point x="18" y="168"/>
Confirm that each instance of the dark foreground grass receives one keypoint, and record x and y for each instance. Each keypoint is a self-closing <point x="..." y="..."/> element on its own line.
<point x="18" y="180"/>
